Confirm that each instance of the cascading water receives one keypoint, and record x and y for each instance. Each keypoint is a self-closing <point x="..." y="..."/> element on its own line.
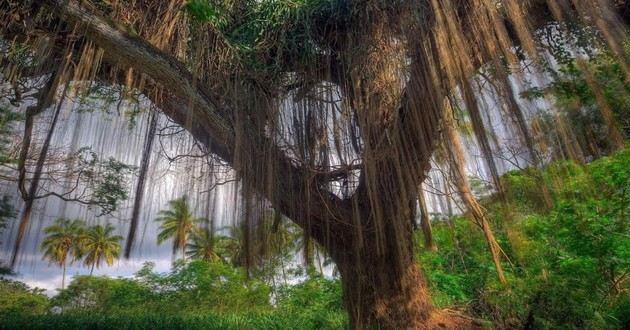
<point x="176" y="168"/>
<point x="109" y="134"/>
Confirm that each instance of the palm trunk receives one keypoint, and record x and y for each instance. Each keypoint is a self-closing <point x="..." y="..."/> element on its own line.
<point x="92" y="269"/>
<point x="63" y="276"/>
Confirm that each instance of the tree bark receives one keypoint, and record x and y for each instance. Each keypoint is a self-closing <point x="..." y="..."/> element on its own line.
<point x="375" y="293"/>
<point x="384" y="288"/>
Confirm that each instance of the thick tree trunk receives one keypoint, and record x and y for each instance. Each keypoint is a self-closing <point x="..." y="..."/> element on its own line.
<point x="375" y="293"/>
<point x="383" y="286"/>
<point x="382" y="283"/>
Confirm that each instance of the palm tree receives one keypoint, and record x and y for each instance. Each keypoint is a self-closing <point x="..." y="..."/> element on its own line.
<point x="98" y="244"/>
<point x="62" y="239"/>
<point x="203" y="245"/>
<point x="271" y="244"/>
<point x="176" y="223"/>
<point x="232" y="247"/>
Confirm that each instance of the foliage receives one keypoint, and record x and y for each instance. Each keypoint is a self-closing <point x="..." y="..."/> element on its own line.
<point x="198" y="286"/>
<point x="7" y="120"/>
<point x="6" y="212"/>
<point x="71" y="239"/>
<point x="176" y="223"/>
<point x="62" y="241"/>
<point x="316" y="302"/>
<point x="242" y="321"/>
<point x="567" y="268"/>
<point x="273" y="243"/>
<point x="203" y="245"/>
<point x="97" y="244"/>
<point x="195" y="295"/>
<point x="17" y="298"/>
<point x="575" y="92"/>
<point x="570" y="263"/>
<point x="265" y="33"/>
<point x="111" y="185"/>
<point x="105" y="180"/>
<point x="191" y="287"/>
<point x="206" y="11"/>
<point x="102" y="294"/>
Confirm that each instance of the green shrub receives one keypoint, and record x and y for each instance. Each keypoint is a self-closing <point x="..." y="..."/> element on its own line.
<point x="17" y="298"/>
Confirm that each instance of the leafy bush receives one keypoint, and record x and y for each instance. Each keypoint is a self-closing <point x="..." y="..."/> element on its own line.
<point x="314" y="304"/>
<point x="192" y="287"/>
<point x="570" y="263"/>
<point x="17" y="298"/>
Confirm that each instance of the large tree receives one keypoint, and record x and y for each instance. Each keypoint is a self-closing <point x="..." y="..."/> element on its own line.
<point x="326" y="109"/>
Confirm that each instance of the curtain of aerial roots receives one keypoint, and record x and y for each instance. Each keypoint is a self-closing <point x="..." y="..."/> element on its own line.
<point x="409" y="55"/>
<point x="77" y="66"/>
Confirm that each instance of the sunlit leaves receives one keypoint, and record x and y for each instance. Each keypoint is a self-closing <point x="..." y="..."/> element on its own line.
<point x="98" y="245"/>
<point x="206" y="11"/>
<point x="177" y="223"/>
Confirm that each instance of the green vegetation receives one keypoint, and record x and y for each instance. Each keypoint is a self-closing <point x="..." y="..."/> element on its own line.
<point x="18" y="300"/>
<point x="7" y="120"/>
<point x="592" y="97"/>
<point x="196" y="294"/>
<point x="567" y="266"/>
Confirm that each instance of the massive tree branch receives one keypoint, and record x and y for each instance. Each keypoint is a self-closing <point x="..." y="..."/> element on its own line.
<point x="135" y="52"/>
<point x="195" y="108"/>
